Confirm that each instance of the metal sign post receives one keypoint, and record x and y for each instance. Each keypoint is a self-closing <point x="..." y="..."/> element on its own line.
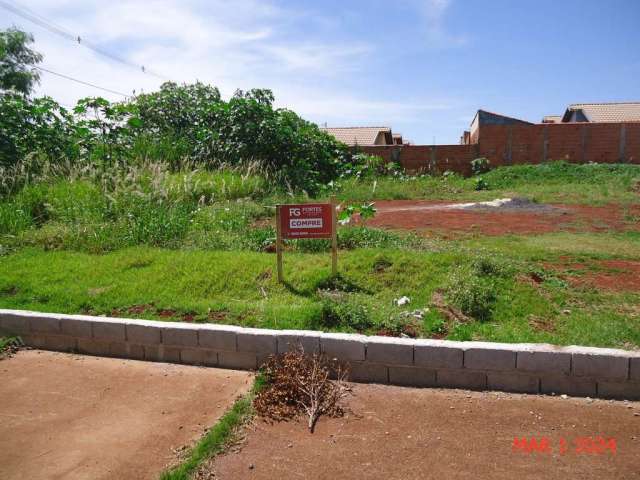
<point x="307" y="220"/>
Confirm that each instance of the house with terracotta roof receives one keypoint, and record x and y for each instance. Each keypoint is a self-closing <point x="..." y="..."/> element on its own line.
<point x="598" y="113"/>
<point x="603" y="112"/>
<point x="364" y="136"/>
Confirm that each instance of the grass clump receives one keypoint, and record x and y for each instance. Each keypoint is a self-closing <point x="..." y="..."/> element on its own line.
<point x="217" y="438"/>
<point x="473" y="295"/>
<point x="343" y="313"/>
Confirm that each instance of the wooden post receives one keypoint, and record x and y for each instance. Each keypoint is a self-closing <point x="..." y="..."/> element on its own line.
<point x="334" y="238"/>
<point x="279" y="245"/>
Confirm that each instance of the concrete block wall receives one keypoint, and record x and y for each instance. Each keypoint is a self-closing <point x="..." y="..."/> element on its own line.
<point x="527" y="368"/>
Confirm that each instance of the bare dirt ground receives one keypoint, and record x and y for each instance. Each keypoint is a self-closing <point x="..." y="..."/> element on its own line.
<point x="611" y="275"/>
<point x="402" y="433"/>
<point x="77" y="417"/>
<point x="451" y="219"/>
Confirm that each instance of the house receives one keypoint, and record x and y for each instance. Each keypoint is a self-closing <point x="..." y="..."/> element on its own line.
<point x="364" y="136"/>
<point x="483" y="117"/>
<point x="602" y="112"/>
<point x="552" y="119"/>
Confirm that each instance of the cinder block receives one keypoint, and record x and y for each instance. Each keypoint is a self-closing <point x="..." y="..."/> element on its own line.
<point x="143" y="334"/>
<point x="619" y="390"/>
<point x="182" y="337"/>
<point x="257" y="341"/>
<point x="600" y="366"/>
<point x="14" y="323"/>
<point x="126" y="350"/>
<point x="569" y="385"/>
<point x="60" y="343"/>
<point x="44" y="324"/>
<point x="412" y="376"/>
<point x="91" y="346"/>
<point x="114" y="331"/>
<point x="218" y="338"/>
<point x="365" y="372"/>
<point x="343" y="346"/>
<point x="237" y="360"/>
<point x="538" y="361"/>
<point x="292" y="340"/>
<point x="437" y="354"/>
<point x="634" y="373"/>
<point x="461" y="378"/>
<point x="76" y="328"/>
<point x="33" y="341"/>
<point x="161" y="353"/>
<point x="390" y="351"/>
<point x="488" y="358"/>
<point x="513" y="382"/>
<point x="199" y="356"/>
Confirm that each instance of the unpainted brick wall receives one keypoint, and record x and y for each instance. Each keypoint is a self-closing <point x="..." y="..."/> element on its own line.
<point x="523" y="144"/>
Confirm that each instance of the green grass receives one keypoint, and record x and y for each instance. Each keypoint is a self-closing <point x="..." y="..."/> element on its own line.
<point x="217" y="438"/>
<point x="561" y="182"/>
<point x="6" y="342"/>
<point x="240" y="288"/>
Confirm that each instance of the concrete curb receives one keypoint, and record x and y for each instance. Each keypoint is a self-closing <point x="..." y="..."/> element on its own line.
<point x="529" y="368"/>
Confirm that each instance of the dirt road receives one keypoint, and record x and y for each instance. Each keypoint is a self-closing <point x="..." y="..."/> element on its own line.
<point x="76" y="417"/>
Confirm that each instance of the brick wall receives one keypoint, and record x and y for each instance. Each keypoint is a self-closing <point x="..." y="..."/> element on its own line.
<point x="524" y="144"/>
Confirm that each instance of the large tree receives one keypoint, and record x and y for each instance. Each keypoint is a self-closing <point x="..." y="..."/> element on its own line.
<point x="17" y="61"/>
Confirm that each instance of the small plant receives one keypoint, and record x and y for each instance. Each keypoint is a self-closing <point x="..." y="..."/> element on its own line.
<point x="474" y="296"/>
<point x="480" y="165"/>
<point x="364" y="211"/>
<point x="343" y="313"/>
<point x="480" y="184"/>
<point x="296" y="383"/>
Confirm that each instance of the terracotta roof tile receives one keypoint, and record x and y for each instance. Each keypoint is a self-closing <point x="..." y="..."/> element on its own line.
<point x="609" y="112"/>
<point x="357" y="135"/>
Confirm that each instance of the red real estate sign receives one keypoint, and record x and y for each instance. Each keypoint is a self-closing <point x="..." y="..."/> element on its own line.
<point x="308" y="220"/>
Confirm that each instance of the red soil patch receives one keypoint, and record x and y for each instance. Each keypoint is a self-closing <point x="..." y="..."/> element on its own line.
<point x="611" y="275"/>
<point x="407" y="433"/>
<point x="75" y="417"/>
<point x="439" y="217"/>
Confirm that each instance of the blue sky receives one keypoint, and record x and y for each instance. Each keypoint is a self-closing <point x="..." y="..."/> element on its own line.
<point x="422" y="67"/>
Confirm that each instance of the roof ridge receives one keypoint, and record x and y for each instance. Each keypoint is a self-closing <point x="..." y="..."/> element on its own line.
<point x="605" y="103"/>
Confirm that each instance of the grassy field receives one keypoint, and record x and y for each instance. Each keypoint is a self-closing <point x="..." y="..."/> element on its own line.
<point x="193" y="247"/>
<point x="488" y="280"/>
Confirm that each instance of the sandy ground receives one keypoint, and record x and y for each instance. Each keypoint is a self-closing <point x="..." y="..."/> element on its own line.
<point x="402" y="433"/>
<point x="77" y="417"/>
<point x="447" y="220"/>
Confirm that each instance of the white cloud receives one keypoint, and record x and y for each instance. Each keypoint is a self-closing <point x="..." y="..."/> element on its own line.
<point x="434" y="13"/>
<point x="231" y="44"/>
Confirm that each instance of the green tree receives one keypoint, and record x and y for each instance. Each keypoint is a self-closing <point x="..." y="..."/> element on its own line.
<point x="17" y="60"/>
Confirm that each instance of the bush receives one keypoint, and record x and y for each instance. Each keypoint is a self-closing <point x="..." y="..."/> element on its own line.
<point x="344" y="314"/>
<point x="480" y="184"/>
<point x="480" y="165"/>
<point x="474" y="296"/>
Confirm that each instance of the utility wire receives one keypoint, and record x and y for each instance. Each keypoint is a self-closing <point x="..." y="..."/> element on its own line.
<point x="81" y="81"/>
<point x="53" y="28"/>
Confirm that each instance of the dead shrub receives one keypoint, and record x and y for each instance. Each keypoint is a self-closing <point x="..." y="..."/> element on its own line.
<point x="296" y="384"/>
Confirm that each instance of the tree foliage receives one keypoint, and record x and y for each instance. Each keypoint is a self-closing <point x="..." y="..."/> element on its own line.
<point x="16" y="62"/>
<point x="176" y="123"/>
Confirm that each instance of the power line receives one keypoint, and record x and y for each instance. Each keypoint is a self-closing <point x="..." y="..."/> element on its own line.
<point x="58" y="30"/>
<point x="82" y="82"/>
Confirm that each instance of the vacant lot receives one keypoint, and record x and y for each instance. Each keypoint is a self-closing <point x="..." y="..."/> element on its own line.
<point x="75" y="417"/>
<point x="560" y="265"/>
<point x="401" y="433"/>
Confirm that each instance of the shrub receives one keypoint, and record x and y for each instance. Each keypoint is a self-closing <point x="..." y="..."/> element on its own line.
<point x="480" y="184"/>
<point x="344" y="313"/>
<point x="479" y="165"/>
<point x="473" y="295"/>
